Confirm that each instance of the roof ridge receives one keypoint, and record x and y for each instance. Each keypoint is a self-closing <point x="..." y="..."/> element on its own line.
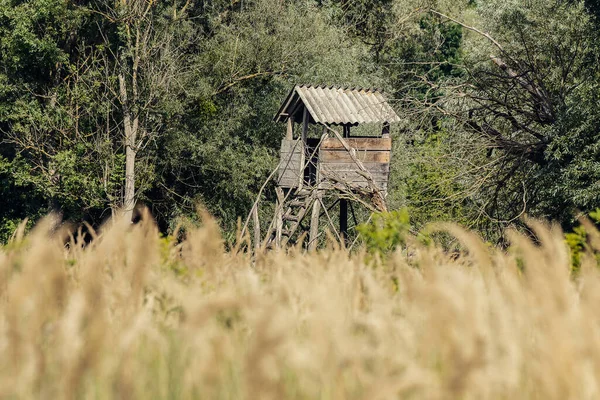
<point x="370" y="89"/>
<point x="339" y="104"/>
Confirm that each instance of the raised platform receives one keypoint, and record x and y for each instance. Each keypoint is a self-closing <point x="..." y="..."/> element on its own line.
<point x="332" y="163"/>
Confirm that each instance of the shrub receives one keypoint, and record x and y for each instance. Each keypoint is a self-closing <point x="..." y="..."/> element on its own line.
<point x="385" y="231"/>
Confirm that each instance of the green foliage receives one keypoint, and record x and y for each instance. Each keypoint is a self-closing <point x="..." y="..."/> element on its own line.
<point x="518" y="134"/>
<point x="385" y="231"/>
<point x="577" y="240"/>
<point x="20" y="198"/>
<point x="211" y="134"/>
<point x="549" y="162"/>
<point x="167" y="245"/>
<point x="432" y="191"/>
<point x="215" y="73"/>
<point x="368" y="20"/>
<point x="225" y="144"/>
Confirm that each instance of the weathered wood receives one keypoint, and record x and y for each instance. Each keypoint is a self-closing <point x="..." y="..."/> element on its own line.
<point x="279" y="217"/>
<point x="290" y="128"/>
<point x="344" y="202"/>
<point x="288" y="146"/>
<point x="258" y="196"/>
<point x="291" y="153"/>
<point x="344" y="186"/>
<point x="299" y="216"/>
<point x="334" y="183"/>
<point x="290" y="217"/>
<point x="257" y="240"/>
<point x="381" y="185"/>
<point x="296" y="203"/>
<point x="292" y="158"/>
<point x="346" y="166"/>
<point x="290" y="165"/>
<point x="373" y="191"/>
<point x="354" y="175"/>
<point x="359" y="143"/>
<point x="314" y="225"/>
<point x="305" y="120"/>
<point x="353" y="178"/>
<point x="380" y="156"/>
<point x="340" y="164"/>
<point x="288" y="183"/>
<point x="303" y="193"/>
<point x="338" y="185"/>
<point x="287" y="212"/>
<point x="377" y="198"/>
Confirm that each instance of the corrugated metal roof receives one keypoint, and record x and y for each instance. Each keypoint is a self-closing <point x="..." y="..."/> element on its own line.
<point x="338" y="105"/>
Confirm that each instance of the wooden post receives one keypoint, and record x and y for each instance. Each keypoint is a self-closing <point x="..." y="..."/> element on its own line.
<point x="304" y="125"/>
<point x="256" y="227"/>
<point x="290" y="129"/>
<point x="304" y="177"/>
<point x="314" y="224"/>
<point x="279" y="216"/>
<point x="344" y="203"/>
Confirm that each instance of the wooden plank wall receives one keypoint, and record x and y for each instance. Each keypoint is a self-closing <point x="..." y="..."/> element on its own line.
<point x="290" y="165"/>
<point x="335" y="162"/>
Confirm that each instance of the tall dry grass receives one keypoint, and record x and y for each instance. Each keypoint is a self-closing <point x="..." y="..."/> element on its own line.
<point x="130" y="317"/>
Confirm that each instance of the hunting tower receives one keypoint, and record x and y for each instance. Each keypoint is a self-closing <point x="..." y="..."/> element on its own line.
<point x="332" y="161"/>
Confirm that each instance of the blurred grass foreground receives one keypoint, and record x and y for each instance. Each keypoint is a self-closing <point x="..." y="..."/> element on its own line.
<point x="131" y="315"/>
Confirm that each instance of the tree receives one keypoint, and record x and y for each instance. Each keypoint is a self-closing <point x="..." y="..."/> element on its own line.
<point x="227" y="144"/>
<point x="37" y="44"/>
<point x="416" y="52"/>
<point x="166" y="103"/>
<point x="523" y="120"/>
<point x="534" y="105"/>
<point x="146" y="43"/>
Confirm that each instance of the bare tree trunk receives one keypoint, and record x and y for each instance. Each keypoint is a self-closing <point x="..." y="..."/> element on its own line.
<point x="129" y="198"/>
<point x="131" y="130"/>
<point x="257" y="240"/>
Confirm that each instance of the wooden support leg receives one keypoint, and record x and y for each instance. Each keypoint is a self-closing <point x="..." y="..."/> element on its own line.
<point x="279" y="216"/>
<point x="257" y="240"/>
<point x="344" y="220"/>
<point x="314" y="224"/>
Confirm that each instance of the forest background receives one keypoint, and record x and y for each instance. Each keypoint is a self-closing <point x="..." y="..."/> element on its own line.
<point x="104" y="104"/>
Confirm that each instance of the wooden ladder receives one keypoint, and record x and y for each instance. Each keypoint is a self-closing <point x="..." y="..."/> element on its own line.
<point x="295" y="211"/>
<point x="289" y="214"/>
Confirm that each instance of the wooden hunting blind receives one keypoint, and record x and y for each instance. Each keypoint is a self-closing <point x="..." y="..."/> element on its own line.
<point x="333" y="162"/>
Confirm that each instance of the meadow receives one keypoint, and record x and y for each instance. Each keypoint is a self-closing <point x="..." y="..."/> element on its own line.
<point x="133" y="315"/>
